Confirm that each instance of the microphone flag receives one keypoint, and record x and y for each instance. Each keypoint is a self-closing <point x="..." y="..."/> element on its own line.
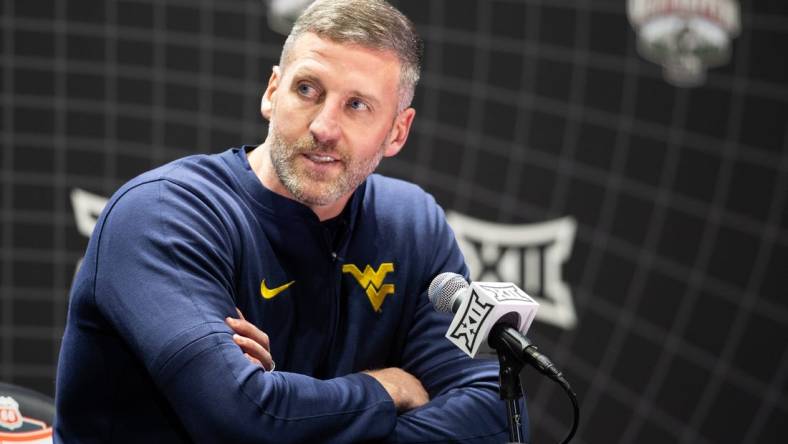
<point x="484" y="305"/>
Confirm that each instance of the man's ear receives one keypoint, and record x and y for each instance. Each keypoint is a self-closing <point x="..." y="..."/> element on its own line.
<point x="399" y="132"/>
<point x="267" y="103"/>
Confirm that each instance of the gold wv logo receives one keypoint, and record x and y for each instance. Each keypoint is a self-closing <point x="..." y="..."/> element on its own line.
<point x="372" y="281"/>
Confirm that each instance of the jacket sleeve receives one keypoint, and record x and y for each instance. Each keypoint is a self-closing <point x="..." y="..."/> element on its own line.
<point x="464" y="401"/>
<point x="164" y="282"/>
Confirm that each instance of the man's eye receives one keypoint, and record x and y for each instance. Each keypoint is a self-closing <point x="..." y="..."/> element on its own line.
<point x="358" y="105"/>
<point x="306" y="90"/>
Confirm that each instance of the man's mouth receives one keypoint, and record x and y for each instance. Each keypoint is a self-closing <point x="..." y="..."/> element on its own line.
<point x="320" y="158"/>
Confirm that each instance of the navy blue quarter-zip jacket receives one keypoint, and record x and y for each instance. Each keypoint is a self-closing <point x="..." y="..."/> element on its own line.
<point x="147" y="356"/>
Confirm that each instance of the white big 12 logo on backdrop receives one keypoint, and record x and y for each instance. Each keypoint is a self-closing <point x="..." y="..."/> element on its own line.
<point x="530" y="255"/>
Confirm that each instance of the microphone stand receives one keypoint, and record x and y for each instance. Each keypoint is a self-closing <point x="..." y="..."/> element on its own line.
<point x="514" y="351"/>
<point x="511" y="363"/>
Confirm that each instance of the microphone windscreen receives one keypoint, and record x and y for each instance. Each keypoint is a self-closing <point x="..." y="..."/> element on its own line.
<point x="443" y="288"/>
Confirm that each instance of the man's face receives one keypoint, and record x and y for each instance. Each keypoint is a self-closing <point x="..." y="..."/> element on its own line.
<point x="333" y="116"/>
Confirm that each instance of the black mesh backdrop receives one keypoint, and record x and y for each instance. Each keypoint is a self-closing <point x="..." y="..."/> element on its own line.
<point x="528" y="111"/>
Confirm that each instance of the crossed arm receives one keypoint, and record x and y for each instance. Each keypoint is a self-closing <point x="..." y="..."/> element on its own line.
<point x="457" y="402"/>
<point x="405" y="390"/>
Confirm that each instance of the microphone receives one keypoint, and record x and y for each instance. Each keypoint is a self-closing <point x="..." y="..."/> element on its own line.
<point x="477" y="308"/>
<point x="489" y="316"/>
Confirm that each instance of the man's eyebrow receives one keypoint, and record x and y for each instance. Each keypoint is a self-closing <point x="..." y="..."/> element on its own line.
<point x="305" y="74"/>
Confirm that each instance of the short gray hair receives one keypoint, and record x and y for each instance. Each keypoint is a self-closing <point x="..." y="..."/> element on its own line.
<point x="369" y="23"/>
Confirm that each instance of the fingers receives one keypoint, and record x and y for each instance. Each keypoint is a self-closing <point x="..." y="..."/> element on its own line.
<point x="253" y="342"/>
<point x="254" y="352"/>
<point x="268" y="367"/>
<point x="249" y="330"/>
<point x="254" y="361"/>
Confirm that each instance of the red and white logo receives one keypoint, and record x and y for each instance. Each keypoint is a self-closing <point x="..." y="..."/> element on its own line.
<point x="17" y="429"/>
<point x="685" y="36"/>
<point x="10" y="417"/>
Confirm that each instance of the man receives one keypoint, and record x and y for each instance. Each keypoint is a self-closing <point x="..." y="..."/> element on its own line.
<point x="330" y="261"/>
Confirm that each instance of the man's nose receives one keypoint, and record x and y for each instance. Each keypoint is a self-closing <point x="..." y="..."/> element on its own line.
<point x="325" y="125"/>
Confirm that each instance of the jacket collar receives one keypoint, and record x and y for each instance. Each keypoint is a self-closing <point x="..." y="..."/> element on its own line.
<point x="279" y="208"/>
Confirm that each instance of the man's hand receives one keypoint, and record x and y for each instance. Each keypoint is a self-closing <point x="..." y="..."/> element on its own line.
<point x="406" y="391"/>
<point x="253" y="341"/>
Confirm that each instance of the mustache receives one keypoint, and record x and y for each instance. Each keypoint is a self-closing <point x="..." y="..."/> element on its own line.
<point x="308" y="144"/>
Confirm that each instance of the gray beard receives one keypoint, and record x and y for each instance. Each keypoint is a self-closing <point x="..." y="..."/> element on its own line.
<point x="283" y="158"/>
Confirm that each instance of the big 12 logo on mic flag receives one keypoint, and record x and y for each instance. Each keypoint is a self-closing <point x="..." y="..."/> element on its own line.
<point x="488" y="303"/>
<point x="529" y="255"/>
